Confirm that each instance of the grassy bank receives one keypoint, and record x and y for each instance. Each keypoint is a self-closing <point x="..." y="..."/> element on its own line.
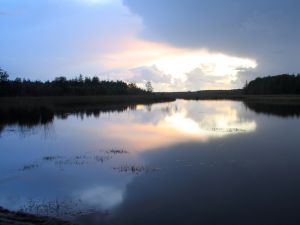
<point x="77" y="101"/>
<point x="234" y="95"/>
<point x="117" y="100"/>
<point x="206" y="95"/>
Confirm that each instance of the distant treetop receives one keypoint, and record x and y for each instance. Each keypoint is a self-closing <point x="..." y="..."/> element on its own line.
<point x="3" y="75"/>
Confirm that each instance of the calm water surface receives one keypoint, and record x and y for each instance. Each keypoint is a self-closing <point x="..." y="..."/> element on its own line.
<point x="185" y="162"/>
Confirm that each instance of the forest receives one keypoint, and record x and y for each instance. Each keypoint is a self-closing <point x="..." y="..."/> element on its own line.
<point x="284" y="84"/>
<point x="61" y="86"/>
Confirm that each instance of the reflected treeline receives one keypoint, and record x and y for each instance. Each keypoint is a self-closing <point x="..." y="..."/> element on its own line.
<point x="26" y="117"/>
<point x="33" y="117"/>
<point x="282" y="110"/>
<point x="41" y="116"/>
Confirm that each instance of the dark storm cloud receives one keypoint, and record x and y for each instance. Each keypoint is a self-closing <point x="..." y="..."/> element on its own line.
<point x="267" y="30"/>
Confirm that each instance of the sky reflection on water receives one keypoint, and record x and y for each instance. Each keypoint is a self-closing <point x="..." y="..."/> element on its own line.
<point x="212" y="157"/>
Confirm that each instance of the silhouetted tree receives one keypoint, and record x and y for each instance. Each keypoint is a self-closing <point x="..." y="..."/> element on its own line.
<point x="95" y="80"/>
<point x="149" y="87"/>
<point x="3" y="75"/>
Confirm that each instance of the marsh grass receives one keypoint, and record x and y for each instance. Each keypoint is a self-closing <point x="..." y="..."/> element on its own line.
<point x="55" y="208"/>
<point x="226" y="130"/>
<point x="51" y="158"/>
<point x="117" y="151"/>
<point x="29" y="167"/>
<point x="77" y="160"/>
<point x="135" y="169"/>
<point x="92" y="157"/>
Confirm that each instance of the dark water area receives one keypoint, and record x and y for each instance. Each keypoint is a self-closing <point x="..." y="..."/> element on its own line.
<point x="282" y="110"/>
<point x="185" y="162"/>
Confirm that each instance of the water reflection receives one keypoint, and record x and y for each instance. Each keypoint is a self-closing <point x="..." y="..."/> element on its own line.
<point x="26" y="120"/>
<point x="184" y="119"/>
<point x="181" y="121"/>
<point x="281" y="110"/>
<point x="183" y="161"/>
<point x="166" y="124"/>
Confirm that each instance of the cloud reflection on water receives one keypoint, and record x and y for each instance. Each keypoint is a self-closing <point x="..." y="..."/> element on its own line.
<point x="177" y="122"/>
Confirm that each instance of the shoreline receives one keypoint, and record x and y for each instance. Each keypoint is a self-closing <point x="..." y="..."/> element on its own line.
<point x="81" y="101"/>
<point x="236" y="95"/>
<point x="59" y="101"/>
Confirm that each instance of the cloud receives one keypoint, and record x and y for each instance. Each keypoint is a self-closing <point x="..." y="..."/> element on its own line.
<point x="132" y="52"/>
<point x="203" y="76"/>
<point x="198" y="80"/>
<point x="151" y="73"/>
<point x="169" y="68"/>
<point x="198" y="70"/>
<point x="140" y="75"/>
<point x="264" y="30"/>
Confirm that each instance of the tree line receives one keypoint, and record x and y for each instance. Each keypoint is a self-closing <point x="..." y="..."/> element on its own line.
<point x="272" y="85"/>
<point x="61" y="86"/>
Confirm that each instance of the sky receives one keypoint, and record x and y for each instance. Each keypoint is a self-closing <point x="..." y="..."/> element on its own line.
<point x="178" y="45"/>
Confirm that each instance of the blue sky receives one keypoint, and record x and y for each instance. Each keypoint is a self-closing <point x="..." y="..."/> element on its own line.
<point x="176" y="44"/>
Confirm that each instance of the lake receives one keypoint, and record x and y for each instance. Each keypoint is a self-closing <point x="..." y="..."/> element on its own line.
<point x="183" y="162"/>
